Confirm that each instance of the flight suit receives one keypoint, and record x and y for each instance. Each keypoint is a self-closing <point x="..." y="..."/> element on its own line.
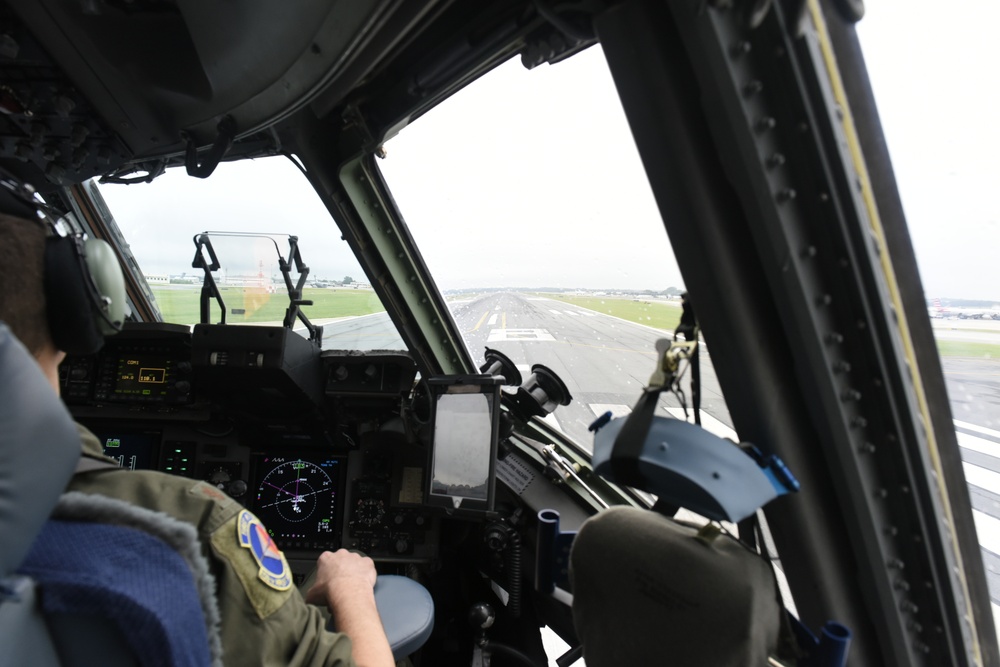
<point x="261" y="625"/>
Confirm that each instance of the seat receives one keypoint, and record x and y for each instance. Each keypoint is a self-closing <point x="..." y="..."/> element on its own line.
<point x="648" y="589"/>
<point x="79" y="570"/>
<point x="37" y="459"/>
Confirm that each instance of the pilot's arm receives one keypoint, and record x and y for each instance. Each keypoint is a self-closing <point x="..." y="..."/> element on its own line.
<point x="345" y="583"/>
<point x="265" y="621"/>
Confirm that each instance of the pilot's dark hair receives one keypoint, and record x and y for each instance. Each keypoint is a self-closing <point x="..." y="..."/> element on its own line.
<point x="22" y="289"/>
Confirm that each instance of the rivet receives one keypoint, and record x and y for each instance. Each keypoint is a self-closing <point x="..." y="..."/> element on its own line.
<point x="766" y="123"/>
<point x="740" y="49"/>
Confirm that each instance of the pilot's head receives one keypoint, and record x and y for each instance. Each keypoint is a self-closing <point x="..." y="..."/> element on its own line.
<point x="22" y="293"/>
<point x="58" y="293"/>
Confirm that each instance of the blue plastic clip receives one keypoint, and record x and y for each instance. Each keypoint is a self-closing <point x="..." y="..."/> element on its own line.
<point x="599" y="423"/>
<point x="775" y="470"/>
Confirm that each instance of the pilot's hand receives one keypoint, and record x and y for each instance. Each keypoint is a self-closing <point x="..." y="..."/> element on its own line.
<point x="345" y="582"/>
<point x="341" y="574"/>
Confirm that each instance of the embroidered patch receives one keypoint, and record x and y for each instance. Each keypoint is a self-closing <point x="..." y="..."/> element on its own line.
<point x="274" y="570"/>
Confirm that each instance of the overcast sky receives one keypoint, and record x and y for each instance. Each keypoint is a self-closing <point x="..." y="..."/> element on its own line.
<point x="510" y="185"/>
<point x="935" y="70"/>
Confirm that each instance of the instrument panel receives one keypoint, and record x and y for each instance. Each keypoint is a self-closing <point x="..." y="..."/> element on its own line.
<point x="323" y="467"/>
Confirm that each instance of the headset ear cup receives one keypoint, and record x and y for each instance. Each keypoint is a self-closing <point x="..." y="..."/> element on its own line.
<point x="71" y="317"/>
<point x="78" y="279"/>
<point x="109" y="281"/>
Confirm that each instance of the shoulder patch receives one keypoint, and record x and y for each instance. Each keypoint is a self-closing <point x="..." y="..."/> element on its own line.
<point x="252" y="535"/>
<point x="206" y="490"/>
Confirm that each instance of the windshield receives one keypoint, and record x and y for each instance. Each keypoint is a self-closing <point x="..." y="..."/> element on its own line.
<point x="943" y="138"/>
<point x="251" y="209"/>
<point x="573" y="272"/>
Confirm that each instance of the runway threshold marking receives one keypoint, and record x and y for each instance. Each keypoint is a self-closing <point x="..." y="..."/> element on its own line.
<point x="988" y="530"/>
<point x="978" y="429"/>
<point x="503" y="320"/>
<point x="708" y="422"/>
<point x="982" y="477"/>
<point x="616" y="409"/>
<point x="981" y="445"/>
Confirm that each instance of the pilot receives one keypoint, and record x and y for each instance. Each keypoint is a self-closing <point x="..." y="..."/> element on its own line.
<point x="265" y="620"/>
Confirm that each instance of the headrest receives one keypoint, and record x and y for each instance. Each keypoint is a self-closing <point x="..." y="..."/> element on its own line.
<point x="39" y="449"/>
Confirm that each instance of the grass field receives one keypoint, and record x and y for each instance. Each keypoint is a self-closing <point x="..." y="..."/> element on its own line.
<point x="657" y="314"/>
<point x="182" y="305"/>
<point x="666" y="316"/>
<point x="958" y="348"/>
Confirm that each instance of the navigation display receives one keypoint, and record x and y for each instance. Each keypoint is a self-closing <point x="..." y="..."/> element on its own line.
<point x="298" y="499"/>
<point x="133" y="451"/>
<point x="142" y="375"/>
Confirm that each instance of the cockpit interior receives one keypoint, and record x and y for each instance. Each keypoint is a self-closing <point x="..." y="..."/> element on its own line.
<point x="476" y="440"/>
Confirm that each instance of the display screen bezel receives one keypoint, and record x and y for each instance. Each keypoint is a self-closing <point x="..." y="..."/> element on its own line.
<point x="452" y="386"/>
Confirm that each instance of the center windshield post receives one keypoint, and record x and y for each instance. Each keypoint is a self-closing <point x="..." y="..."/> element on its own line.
<point x="295" y="300"/>
<point x="209" y="289"/>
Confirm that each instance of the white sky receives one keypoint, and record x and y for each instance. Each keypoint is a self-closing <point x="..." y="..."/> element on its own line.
<point x="934" y="69"/>
<point x="505" y="186"/>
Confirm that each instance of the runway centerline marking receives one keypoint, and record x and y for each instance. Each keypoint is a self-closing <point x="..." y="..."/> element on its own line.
<point x="480" y="322"/>
<point x="493" y="319"/>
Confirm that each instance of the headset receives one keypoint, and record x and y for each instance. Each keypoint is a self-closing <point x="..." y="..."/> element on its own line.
<point x="83" y="282"/>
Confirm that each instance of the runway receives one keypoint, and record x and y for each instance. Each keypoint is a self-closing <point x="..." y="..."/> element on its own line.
<point x="605" y="362"/>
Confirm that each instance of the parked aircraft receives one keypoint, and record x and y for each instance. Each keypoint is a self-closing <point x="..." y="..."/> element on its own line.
<point x="759" y="153"/>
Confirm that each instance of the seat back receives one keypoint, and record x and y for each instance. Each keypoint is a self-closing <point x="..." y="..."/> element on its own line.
<point x="39" y="448"/>
<point x="87" y="579"/>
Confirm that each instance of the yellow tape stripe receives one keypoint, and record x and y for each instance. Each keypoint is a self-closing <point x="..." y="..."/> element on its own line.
<point x="890" y="276"/>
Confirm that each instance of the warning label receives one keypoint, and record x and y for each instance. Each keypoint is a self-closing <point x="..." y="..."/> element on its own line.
<point x="515" y="474"/>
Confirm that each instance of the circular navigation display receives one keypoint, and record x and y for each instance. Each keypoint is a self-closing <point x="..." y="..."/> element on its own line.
<point x="294" y="489"/>
<point x="296" y="499"/>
